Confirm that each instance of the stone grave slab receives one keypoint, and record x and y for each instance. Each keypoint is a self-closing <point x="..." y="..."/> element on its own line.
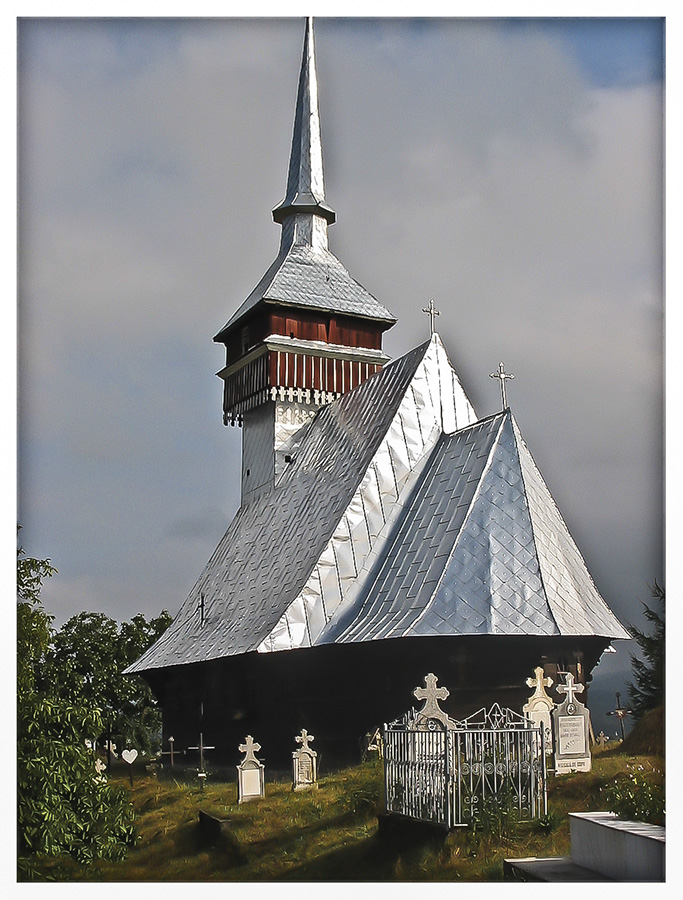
<point x="250" y="772"/>
<point x="571" y="730"/>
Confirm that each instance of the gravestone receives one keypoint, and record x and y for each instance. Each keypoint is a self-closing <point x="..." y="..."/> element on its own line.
<point x="250" y="772"/>
<point x="539" y="706"/>
<point x="602" y="739"/>
<point x="571" y="730"/>
<point x="431" y="712"/>
<point x="304" y="764"/>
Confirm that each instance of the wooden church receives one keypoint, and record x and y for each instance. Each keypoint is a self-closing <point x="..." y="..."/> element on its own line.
<point x="385" y="530"/>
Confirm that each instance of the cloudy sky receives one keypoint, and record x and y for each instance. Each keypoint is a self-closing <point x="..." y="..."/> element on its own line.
<point x="509" y="169"/>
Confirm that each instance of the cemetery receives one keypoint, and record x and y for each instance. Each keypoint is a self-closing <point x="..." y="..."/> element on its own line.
<point x="436" y="799"/>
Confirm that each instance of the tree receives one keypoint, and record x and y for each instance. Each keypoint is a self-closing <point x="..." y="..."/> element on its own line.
<point x="64" y="805"/>
<point x="648" y="690"/>
<point x="88" y="657"/>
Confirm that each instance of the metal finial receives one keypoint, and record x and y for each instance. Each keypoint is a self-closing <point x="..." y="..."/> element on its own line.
<point x="503" y="376"/>
<point x="305" y="182"/>
<point x="431" y="311"/>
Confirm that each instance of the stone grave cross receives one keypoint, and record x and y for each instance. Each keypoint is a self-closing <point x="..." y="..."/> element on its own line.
<point x="431" y="694"/>
<point x="250" y="748"/>
<point x="569" y="689"/>
<point x="250" y="772"/>
<point x="539" y="706"/>
<point x="539" y="683"/>
<point x="602" y="739"/>
<point x="304" y="769"/>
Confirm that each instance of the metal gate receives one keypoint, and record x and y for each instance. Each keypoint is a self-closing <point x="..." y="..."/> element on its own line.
<point x="450" y="773"/>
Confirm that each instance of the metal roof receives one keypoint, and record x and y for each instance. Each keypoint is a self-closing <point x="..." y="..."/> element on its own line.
<point x="400" y="515"/>
<point x="481" y="549"/>
<point x="305" y="277"/>
<point x="305" y="272"/>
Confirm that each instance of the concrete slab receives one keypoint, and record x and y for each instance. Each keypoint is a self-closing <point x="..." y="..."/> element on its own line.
<point x="557" y="868"/>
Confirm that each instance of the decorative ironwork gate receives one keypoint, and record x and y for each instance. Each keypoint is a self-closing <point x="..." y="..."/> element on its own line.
<point x="450" y="773"/>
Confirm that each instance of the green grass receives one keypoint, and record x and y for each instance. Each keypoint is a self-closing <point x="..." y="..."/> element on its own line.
<point x="330" y="834"/>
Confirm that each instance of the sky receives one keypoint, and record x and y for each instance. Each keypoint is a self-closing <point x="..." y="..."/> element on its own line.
<point x="509" y="169"/>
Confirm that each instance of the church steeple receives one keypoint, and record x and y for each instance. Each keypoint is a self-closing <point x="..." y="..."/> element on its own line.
<point x="308" y="333"/>
<point x="304" y="214"/>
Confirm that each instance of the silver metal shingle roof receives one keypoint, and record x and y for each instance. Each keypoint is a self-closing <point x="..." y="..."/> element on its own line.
<point x="401" y="515"/>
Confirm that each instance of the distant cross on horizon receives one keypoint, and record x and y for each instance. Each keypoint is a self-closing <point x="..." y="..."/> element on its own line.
<point x="432" y="312"/>
<point x="503" y="376"/>
<point x="569" y="688"/>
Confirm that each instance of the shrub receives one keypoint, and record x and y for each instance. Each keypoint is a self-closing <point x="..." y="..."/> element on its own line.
<point x="637" y="796"/>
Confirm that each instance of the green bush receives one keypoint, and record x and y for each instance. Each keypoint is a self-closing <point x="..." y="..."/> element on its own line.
<point x="637" y="796"/>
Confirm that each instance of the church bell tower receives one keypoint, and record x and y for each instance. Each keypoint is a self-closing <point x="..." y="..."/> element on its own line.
<point x="308" y="332"/>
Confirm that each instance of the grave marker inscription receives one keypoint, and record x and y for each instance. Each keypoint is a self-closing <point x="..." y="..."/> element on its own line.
<point x="571" y="729"/>
<point x="304" y="763"/>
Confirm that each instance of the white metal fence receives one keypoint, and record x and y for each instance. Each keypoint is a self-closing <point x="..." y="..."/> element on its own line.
<point x="454" y="776"/>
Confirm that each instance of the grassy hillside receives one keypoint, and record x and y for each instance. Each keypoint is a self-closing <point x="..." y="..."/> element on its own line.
<point x="331" y="834"/>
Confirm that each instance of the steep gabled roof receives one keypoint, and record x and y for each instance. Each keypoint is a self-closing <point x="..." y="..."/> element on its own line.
<point x="350" y="470"/>
<point x="400" y="516"/>
<point x="481" y="548"/>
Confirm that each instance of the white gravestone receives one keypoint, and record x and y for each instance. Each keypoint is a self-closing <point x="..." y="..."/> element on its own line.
<point x="539" y="706"/>
<point x="304" y="763"/>
<point x="250" y="772"/>
<point x="571" y="729"/>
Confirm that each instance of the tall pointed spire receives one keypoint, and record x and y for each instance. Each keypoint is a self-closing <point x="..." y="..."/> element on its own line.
<point x="305" y="183"/>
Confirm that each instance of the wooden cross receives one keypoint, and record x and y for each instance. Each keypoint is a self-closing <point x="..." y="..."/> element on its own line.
<point x="171" y="741"/>
<point x="503" y="376"/>
<point x="620" y="712"/>
<point x="539" y="683"/>
<point x="302" y="739"/>
<point x="431" y="694"/>
<point x="431" y="311"/>
<point x="249" y="748"/>
<point x="569" y="688"/>
<point x="201" y="749"/>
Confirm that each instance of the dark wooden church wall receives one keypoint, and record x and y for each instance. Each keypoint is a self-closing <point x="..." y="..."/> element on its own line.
<point x="340" y="692"/>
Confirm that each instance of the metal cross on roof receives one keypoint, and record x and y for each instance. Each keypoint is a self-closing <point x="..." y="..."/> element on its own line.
<point x="249" y="748"/>
<point x="503" y="376"/>
<point x="569" y="688"/>
<point x="431" y="311"/>
<point x="431" y="694"/>
<point x="303" y="739"/>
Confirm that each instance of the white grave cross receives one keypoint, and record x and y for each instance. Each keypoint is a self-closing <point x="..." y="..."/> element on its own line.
<point x="431" y="694"/>
<point x="569" y="689"/>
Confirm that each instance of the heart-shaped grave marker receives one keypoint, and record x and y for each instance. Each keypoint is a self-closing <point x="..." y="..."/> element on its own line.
<point x="130" y="756"/>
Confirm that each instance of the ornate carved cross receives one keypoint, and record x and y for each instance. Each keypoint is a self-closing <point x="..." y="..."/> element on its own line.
<point x="303" y="739"/>
<point x="503" y="376"/>
<point x="249" y="748"/>
<point x="602" y="739"/>
<point x="431" y="694"/>
<point x="569" y="688"/>
<point x="431" y="311"/>
<point x="539" y="683"/>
